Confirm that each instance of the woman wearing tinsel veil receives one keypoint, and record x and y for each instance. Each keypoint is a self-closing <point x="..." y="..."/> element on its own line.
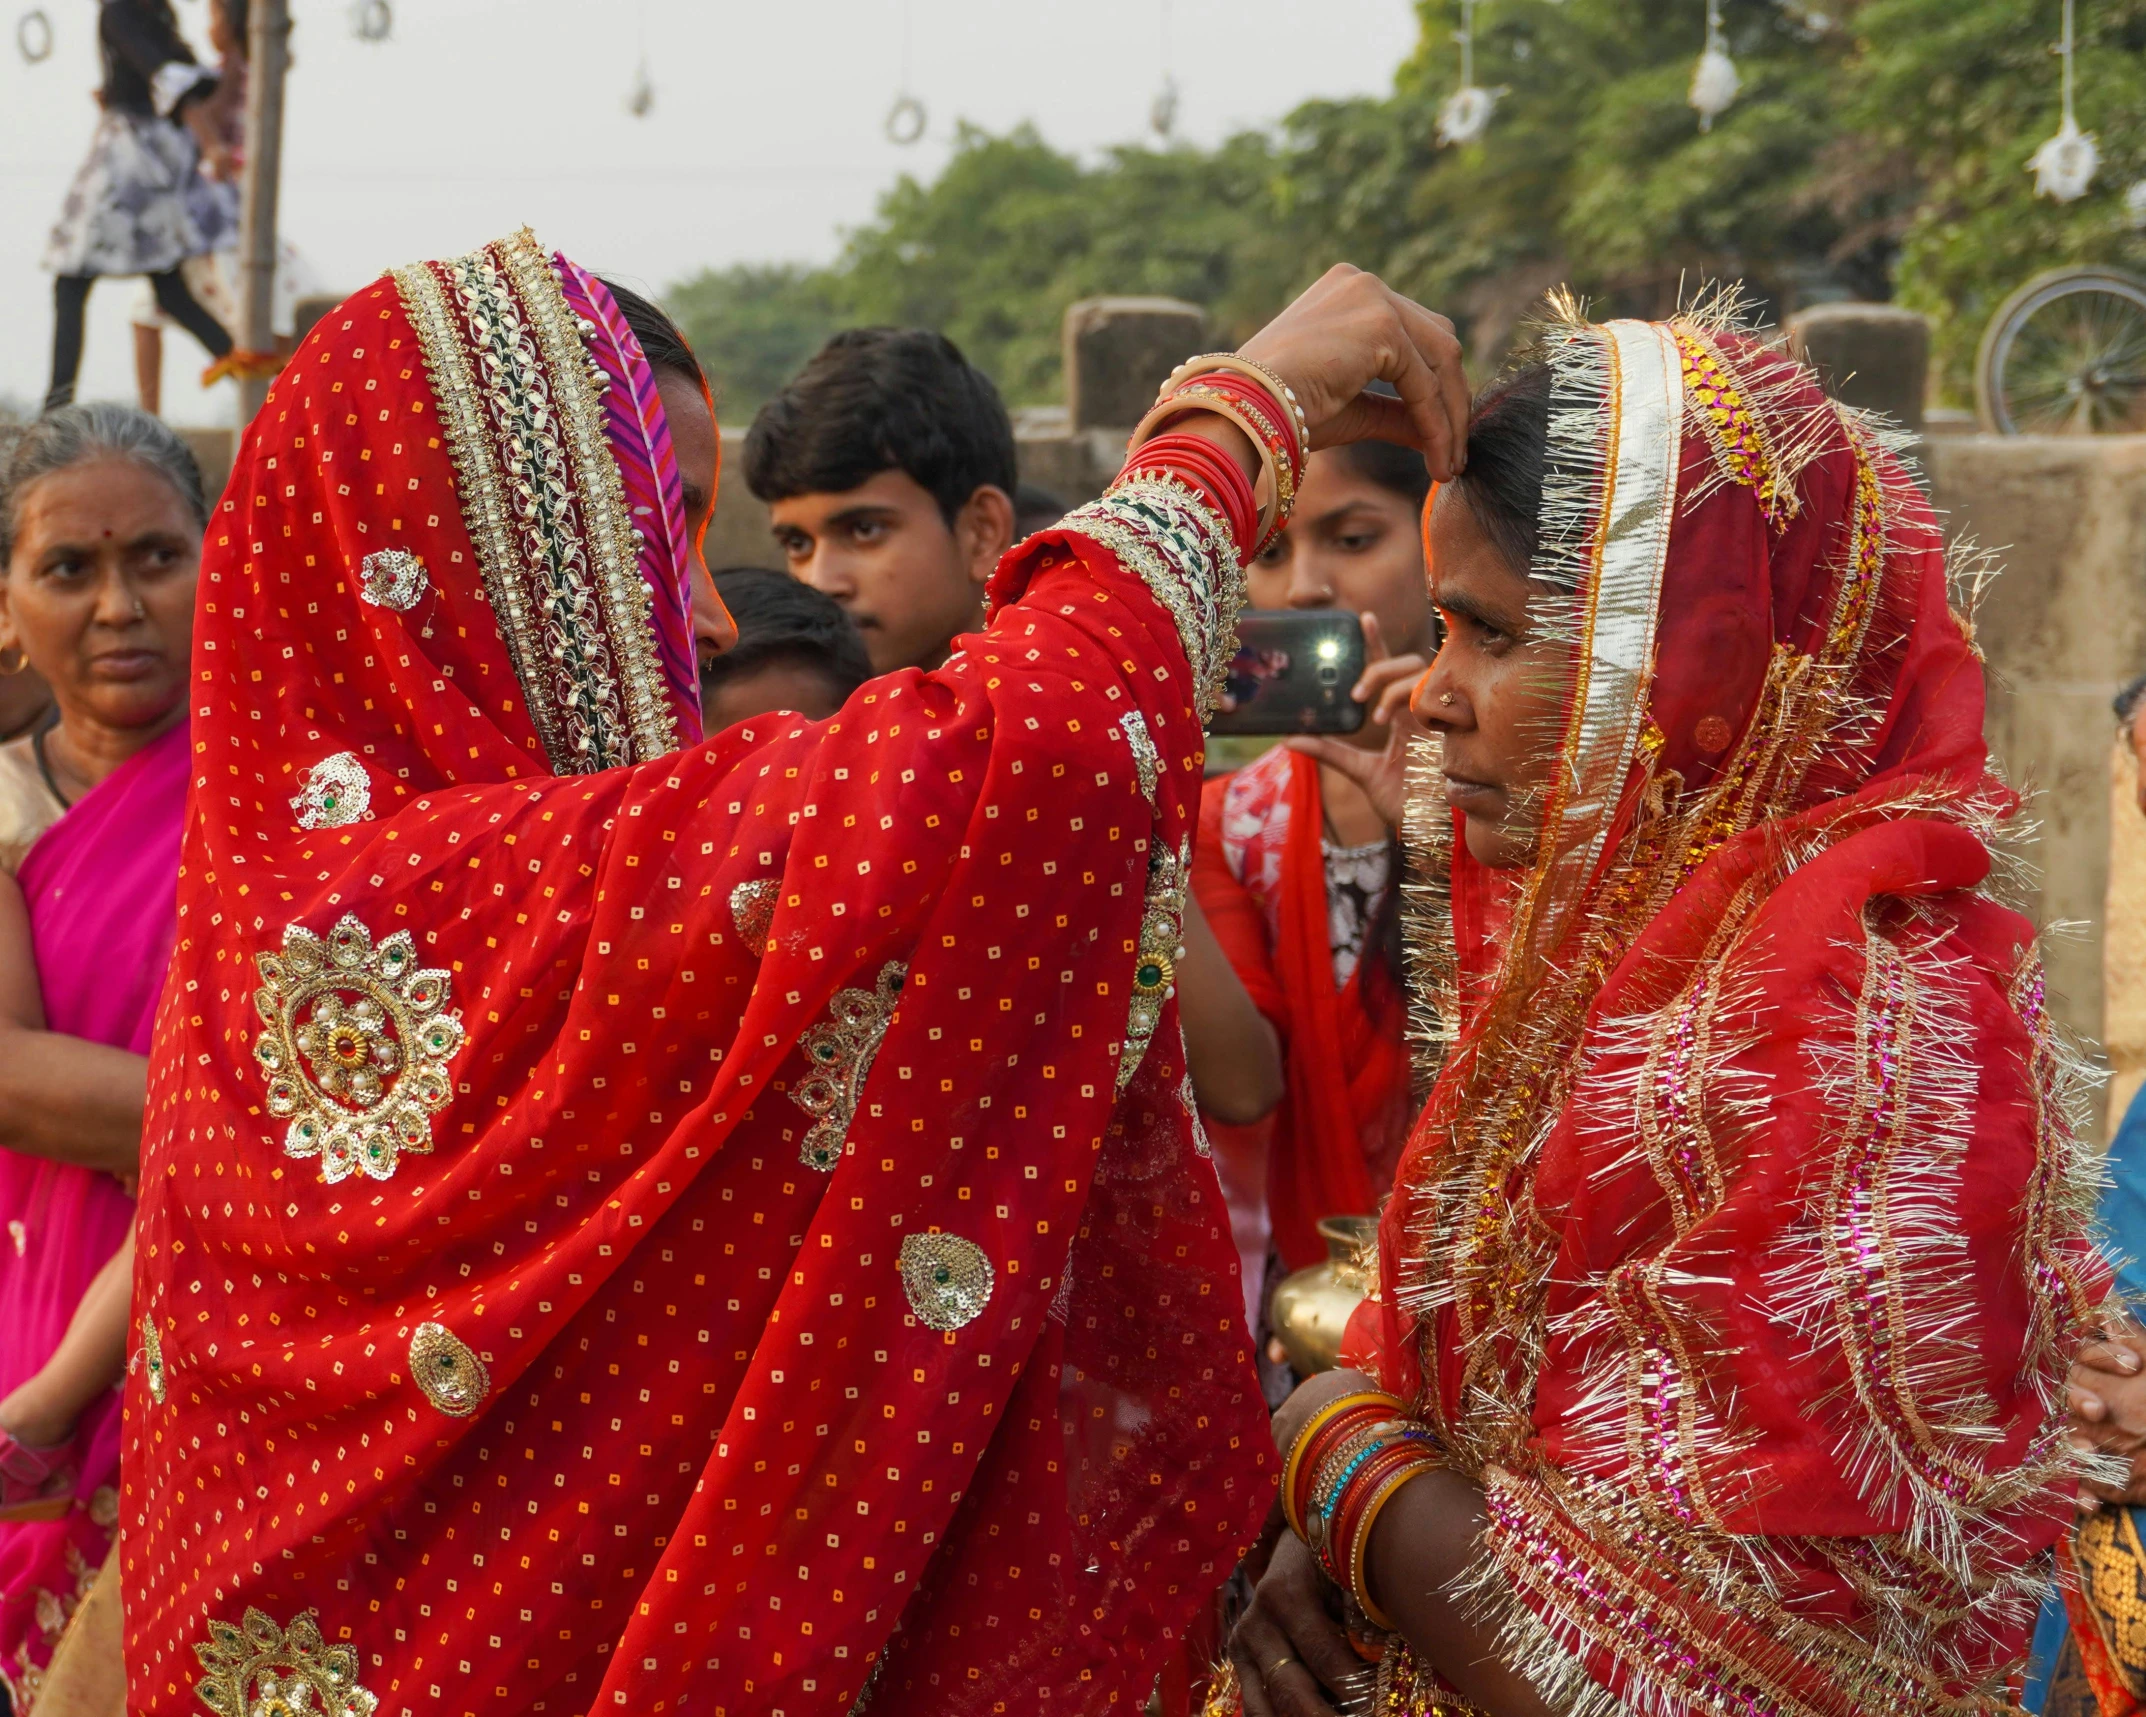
<point x="1732" y="1270"/>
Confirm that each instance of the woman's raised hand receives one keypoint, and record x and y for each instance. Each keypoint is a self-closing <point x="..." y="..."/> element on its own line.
<point x="1384" y="688"/>
<point x="1351" y="329"/>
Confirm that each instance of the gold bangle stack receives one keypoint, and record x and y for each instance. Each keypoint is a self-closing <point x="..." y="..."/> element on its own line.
<point x="1258" y="402"/>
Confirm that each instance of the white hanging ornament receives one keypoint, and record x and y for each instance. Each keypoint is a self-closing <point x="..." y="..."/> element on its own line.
<point x="1714" y="80"/>
<point x="1162" y="112"/>
<point x="641" y="93"/>
<point x="1465" y="114"/>
<point x="2065" y="165"/>
<point x="2135" y="204"/>
<point x="372" y="20"/>
<point x="905" y="121"/>
<point x="33" y="36"/>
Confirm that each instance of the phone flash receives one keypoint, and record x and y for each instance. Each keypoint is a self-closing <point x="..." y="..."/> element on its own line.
<point x="1329" y="649"/>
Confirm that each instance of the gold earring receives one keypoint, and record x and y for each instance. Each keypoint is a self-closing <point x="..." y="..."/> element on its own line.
<point x="20" y="665"/>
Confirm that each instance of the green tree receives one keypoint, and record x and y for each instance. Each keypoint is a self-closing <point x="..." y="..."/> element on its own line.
<point x="753" y="326"/>
<point x="1967" y="90"/>
<point x="1881" y="145"/>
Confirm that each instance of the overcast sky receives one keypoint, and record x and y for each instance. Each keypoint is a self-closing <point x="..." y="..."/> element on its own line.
<point x="765" y="142"/>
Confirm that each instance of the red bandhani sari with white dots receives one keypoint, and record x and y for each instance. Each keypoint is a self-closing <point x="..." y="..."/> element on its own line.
<point x="639" y="1223"/>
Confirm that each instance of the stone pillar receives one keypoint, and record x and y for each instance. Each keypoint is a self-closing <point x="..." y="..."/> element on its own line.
<point x="1119" y="350"/>
<point x="1876" y="356"/>
<point x="2062" y="629"/>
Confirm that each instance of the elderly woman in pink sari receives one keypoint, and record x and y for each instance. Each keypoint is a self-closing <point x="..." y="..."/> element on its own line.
<point x="101" y="519"/>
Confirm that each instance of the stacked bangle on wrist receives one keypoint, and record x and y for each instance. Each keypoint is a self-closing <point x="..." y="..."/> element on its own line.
<point x="1194" y="460"/>
<point x="1345" y="1466"/>
<point x="1258" y="402"/>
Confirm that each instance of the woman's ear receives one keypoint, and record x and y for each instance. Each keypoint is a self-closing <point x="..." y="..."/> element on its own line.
<point x="985" y="531"/>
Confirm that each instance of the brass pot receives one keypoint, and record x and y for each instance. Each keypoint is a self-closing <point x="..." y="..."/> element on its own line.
<point x="1311" y="1308"/>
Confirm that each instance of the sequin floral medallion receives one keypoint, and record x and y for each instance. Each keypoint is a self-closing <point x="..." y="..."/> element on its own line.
<point x="258" y="1669"/>
<point x="356" y="1047"/>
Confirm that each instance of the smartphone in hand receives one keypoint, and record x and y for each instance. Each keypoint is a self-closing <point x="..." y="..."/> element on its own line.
<point x="1292" y="673"/>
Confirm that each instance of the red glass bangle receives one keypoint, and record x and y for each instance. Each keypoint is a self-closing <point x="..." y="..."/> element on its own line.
<point x="1195" y="459"/>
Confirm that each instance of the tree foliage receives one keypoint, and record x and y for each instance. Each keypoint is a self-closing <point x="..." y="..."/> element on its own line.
<point x="1881" y="148"/>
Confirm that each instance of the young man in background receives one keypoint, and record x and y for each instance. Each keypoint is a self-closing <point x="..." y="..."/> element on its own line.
<point x="888" y="467"/>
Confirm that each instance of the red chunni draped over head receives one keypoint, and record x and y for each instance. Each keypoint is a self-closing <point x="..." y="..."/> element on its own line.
<point x="1739" y="1252"/>
<point x="638" y="1227"/>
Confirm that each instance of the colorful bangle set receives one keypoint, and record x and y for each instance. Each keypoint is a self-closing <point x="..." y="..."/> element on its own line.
<point x="1258" y="402"/>
<point x="1345" y="1466"/>
<point x="1195" y="460"/>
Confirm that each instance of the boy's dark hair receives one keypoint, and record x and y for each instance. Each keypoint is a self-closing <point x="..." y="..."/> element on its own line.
<point x="661" y="343"/>
<point x="883" y="399"/>
<point x="2127" y="700"/>
<point x="781" y="620"/>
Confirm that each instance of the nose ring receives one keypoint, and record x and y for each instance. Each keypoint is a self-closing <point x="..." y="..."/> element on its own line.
<point x="1445" y="700"/>
<point x="141" y="609"/>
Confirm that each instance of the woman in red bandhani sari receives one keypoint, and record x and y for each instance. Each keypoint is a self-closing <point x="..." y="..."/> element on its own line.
<point x="1733" y="1269"/>
<point x="631" y="1222"/>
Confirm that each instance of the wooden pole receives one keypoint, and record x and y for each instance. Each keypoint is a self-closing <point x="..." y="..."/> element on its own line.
<point x="268" y="44"/>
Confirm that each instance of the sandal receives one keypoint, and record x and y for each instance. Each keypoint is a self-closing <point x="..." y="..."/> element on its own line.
<point x="35" y="1484"/>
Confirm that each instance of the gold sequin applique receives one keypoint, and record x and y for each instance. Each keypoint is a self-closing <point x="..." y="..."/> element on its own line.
<point x="335" y="791"/>
<point x="260" y="1670"/>
<point x="752" y="910"/>
<point x="152" y="1359"/>
<point x="948" y="1279"/>
<point x="1155" y="963"/>
<point x="356" y="1047"/>
<point x="453" y="1378"/>
<point x="543" y="501"/>
<point x="840" y="1049"/>
<point x="1147" y="761"/>
<point x="392" y="578"/>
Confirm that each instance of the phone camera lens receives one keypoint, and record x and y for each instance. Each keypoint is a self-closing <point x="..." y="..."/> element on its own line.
<point x="1329" y="676"/>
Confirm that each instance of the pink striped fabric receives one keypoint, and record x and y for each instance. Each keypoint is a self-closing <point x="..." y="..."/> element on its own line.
<point x="641" y="442"/>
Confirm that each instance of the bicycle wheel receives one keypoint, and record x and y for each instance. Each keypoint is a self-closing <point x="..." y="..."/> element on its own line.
<point x="2066" y="355"/>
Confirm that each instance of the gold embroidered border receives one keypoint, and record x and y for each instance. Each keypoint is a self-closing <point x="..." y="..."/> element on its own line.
<point x="1184" y="554"/>
<point x="480" y="490"/>
<point x="543" y="501"/>
<point x="628" y="610"/>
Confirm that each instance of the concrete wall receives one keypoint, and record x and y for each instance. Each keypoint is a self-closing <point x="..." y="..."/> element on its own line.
<point x="2062" y="629"/>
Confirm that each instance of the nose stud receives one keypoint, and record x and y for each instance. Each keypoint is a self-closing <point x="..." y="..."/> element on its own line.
<point x="1445" y="700"/>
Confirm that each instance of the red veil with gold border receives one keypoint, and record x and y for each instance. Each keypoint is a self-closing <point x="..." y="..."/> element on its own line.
<point x="1740" y="1250"/>
<point x="629" y="1224"/>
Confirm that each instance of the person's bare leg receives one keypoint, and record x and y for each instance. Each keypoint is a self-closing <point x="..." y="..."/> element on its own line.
<point x="91" y="1357"/>
<point x="149" y="367"/>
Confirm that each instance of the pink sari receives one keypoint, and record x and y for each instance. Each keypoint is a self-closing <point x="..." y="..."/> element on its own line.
<point x="101" y="884"/>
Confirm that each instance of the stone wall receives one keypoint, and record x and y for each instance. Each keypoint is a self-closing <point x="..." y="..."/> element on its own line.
<point x="2062" y="629"/>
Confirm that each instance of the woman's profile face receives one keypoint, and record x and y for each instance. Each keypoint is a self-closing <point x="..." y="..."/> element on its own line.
<point x="99" y="592"/>
<point x="1496" y="691"/>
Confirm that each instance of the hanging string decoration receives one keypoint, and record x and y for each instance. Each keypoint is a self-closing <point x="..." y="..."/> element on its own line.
<point x="372" y="20"/>
<point x="641" y="93"/>
<point x="906" y="119"/>
<point x="2065" y="165"/>
<point x="33" y="36"/>
<point x="1465" y="114"/>
<point x="1714" y="80"/>
<point x="1162" y="112"/>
